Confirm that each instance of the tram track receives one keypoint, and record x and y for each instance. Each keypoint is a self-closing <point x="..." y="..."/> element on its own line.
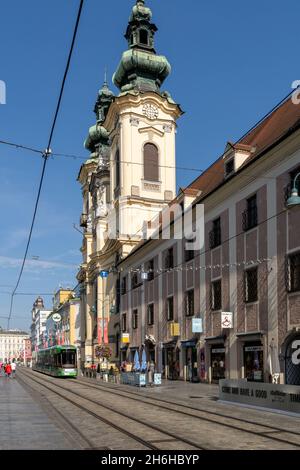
<point x="146" y="443"/>
<point x="162" y="404"/>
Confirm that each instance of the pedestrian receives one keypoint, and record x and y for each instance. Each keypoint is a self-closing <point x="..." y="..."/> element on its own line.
<point x="8" y="370"/>
<point x="190" y="370"/>
<point x="151" y="372"/>
<point x="13" y="368"/>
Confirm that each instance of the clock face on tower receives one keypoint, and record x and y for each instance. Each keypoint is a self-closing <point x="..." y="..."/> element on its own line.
<point x="150" y="111"/>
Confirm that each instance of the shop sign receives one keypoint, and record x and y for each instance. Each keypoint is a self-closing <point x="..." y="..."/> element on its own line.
<point x="56" y="317"/>
<point x="197" y="325"/>
<point x="218" y="350"/>
<point x="125" y="338"/>
<point x="226" y="320"/>
<point x="174" y="329"/>
<point x="253" y="348"/>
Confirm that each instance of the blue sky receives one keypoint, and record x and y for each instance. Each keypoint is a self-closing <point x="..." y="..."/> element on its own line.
<point x="231" y="63"/>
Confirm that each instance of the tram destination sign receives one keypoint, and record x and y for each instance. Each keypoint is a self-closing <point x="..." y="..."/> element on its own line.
<point x="276" y="397"/>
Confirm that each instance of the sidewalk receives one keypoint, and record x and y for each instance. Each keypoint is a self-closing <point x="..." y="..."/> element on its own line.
<point x="24" y="424"/>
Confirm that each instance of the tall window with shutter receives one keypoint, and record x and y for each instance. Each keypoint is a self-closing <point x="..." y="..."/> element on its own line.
<point x="151" y="168"/>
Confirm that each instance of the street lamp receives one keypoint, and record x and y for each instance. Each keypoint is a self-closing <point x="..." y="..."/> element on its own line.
<point x="294" y="199"/>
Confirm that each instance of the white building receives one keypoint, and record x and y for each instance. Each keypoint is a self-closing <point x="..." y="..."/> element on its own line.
<point x="12" y="344"/>
<point x="38" y="326"/>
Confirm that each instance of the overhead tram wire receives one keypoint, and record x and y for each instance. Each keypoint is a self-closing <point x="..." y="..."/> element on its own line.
<point x="45" y="156"/>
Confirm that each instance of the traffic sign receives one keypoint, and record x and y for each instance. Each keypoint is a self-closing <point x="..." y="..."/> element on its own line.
<point x="104" y="274"/>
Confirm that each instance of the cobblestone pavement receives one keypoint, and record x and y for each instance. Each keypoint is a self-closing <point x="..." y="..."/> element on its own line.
<point x="26" y="424"/>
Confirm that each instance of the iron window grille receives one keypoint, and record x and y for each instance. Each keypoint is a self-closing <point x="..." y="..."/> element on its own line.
<point x="251" y="285"/>
<point x="135" y="280"/>
<point x="250" y="214"/>
<point x="170" y="309"/>
<point x="135" y="319"/>
<point x="215" y="234"/>
<point x="124" y="285"/>
<point x="293" y="272"/>
<point x="169" y="260"/>
<point x="124" y="323"/>
<point x="150" y="270"/>
<point x="216" y="295"/>
<point x="189" y="303"/>
<point x="150" y="312"/>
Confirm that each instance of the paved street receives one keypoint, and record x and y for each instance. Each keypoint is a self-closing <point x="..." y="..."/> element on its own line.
<point x="25" y="423"/>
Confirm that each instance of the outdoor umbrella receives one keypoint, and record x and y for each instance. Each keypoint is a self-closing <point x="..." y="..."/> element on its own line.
<point x="144" y="361"/>
<point x="136" y="365"/>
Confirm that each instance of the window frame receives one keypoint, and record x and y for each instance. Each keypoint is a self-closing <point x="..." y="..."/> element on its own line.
<point x="170" y="317"/>
<point x="150" y="314"/>
<point x="146" y="176"/>
<point x="214" y="307"/>
<point x="187" y="302"/>
<point x="134" y="320"/>
<point x="248" y="296"/>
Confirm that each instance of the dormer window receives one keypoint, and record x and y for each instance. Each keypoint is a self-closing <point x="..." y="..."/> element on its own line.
<point x="235" y="156"/>
<point x="229" y="167"/>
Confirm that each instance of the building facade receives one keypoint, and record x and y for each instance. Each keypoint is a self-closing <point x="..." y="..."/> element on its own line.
<point x="12" y="345"/>
<point x="38" y="326"/>
<point x="128" y="179"/>
<point x="63" y="325"/>
<point x="242" y="287"/>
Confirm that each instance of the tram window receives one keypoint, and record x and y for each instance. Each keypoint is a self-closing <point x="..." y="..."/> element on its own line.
<point x="68" y="359"/>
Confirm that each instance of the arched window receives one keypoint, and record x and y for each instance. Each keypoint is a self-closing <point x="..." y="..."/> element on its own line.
<point x="151" y="172"/>
<point x="118" y="170"/>
<point x="144" y="37"/>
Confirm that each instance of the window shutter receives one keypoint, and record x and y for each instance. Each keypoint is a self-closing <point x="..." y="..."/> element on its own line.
<point x="151" y="172"/>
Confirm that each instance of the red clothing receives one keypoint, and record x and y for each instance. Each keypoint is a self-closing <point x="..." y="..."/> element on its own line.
<point x="8" y="369"/>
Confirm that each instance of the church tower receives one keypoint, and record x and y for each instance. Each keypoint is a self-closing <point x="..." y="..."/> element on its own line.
<point x="141" y="123"/>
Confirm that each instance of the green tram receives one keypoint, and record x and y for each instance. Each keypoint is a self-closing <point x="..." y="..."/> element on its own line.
<point x="59" y="361"/>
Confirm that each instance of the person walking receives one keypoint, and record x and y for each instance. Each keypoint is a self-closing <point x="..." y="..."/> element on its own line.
<point x="13" y="369"/>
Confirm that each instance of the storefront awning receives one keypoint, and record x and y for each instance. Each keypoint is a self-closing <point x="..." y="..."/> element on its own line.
<point x="250" y="333"/>
<point x="190" y="343"/>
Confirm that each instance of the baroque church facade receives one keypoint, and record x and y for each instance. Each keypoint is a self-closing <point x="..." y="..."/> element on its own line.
<point x="128" y="178"/>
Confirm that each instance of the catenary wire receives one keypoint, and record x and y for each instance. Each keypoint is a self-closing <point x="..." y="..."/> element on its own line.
<point x="45" y="156"/>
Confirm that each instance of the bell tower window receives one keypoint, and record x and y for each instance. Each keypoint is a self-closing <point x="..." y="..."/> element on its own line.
<point x="151" y="168"/>
<point x="144" y="37"/>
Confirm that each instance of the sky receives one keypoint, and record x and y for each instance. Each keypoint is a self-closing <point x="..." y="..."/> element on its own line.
<point x="231" y="63"/>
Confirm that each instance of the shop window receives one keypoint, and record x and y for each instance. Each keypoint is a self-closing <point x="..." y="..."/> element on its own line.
<point x="151" y="169"/>
<point x="216" y="295"/>
<point x="251" y="285"/>
<point x="150" y="314"/>
<point x="250" y="214"/>
<point x="135" y="319"/>
<point x="218" y="363"/>
<point x="189" y="303"/>
<point x="293" y="272"/>
<point x="124" y="323"/>
<point x="253" y="362"/>
<point x="170" y="309"/>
